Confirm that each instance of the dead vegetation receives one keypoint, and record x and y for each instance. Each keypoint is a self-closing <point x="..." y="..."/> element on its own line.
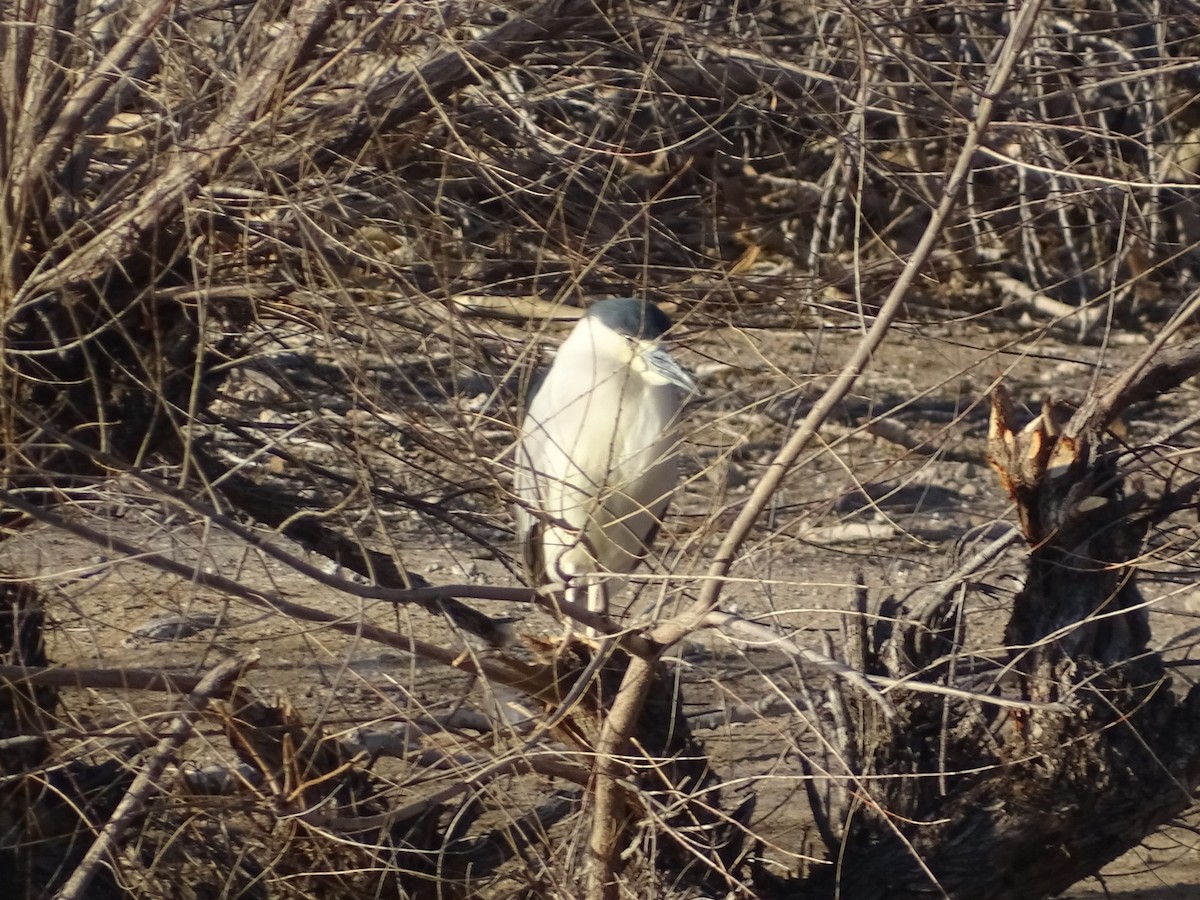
<point x="273" y="278"/>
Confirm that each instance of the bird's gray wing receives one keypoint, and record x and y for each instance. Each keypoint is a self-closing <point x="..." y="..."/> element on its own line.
<point x="536" y="380"/>
<point x="533" y="551"/>
<point x="651" y="534"/>
<point x="528" y="526"/>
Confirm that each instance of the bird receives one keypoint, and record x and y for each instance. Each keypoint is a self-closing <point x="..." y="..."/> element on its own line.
<point x="596" y="460"/>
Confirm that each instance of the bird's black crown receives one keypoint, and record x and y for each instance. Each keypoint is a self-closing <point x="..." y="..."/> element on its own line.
<point x="631" y="316"/>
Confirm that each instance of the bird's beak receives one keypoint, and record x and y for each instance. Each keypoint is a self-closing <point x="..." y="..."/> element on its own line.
<point x="659" y="367"/>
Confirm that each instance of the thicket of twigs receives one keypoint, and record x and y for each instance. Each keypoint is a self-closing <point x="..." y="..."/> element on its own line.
<point x="273" y="277"/>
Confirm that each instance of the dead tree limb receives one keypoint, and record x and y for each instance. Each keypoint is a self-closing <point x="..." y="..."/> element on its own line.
<point x="1042" y="797"/>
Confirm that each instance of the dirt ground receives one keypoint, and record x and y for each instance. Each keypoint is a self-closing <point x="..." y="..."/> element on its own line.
<point x="860" y="502"/>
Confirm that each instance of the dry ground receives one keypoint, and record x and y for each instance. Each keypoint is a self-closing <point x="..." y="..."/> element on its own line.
<point x="861" y="503"/>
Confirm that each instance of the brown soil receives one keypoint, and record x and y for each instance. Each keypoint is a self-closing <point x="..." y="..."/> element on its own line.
<point x="858" y="503"/>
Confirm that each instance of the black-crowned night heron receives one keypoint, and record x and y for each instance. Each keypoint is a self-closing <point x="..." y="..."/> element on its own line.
<point x="596" y="461"/>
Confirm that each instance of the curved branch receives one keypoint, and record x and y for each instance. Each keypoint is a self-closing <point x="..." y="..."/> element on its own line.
<point x="781" y="466"/>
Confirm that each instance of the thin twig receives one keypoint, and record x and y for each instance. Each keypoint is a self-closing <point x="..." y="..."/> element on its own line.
<point x="761" y="635"/>
<point x="102" y="679"/>
<point x="764" y="636"/>
<point x="503" y="669"/>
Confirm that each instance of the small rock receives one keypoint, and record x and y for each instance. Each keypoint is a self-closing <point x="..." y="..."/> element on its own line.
<point x="173" y="628"/>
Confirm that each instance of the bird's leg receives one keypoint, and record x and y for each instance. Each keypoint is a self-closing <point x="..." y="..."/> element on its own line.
<point x="597" y="600"/>
<point x="590" y="591"/>
<point x="575" y="593"/>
